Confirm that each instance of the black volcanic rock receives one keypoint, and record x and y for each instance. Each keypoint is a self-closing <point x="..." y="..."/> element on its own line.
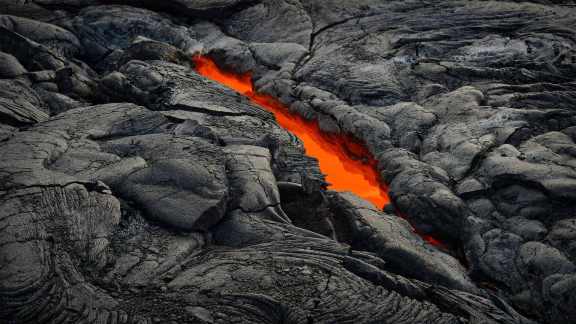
<point x="134" y="190"/>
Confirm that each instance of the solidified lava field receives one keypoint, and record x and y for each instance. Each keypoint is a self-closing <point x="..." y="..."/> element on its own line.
<point x="287" y="161"/>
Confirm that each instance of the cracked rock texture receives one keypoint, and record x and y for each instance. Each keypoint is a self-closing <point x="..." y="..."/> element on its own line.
<point x="134" y="190"/>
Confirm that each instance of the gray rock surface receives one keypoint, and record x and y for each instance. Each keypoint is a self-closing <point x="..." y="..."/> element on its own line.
<point x="134" y="190"/>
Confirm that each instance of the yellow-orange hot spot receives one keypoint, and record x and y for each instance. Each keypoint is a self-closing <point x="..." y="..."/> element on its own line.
<point x="347" y="164"/>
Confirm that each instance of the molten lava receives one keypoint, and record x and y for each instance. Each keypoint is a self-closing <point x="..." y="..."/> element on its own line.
<point x="348" y="165"/>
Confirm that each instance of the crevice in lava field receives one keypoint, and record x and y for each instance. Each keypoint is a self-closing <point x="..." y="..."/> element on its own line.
<point x="347" y="164"/>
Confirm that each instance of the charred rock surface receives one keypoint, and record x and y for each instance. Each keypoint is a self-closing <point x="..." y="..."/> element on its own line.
<point x="134" y="190"/>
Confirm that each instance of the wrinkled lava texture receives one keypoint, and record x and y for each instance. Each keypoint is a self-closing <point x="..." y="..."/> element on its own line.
<point x="287" y="161"/>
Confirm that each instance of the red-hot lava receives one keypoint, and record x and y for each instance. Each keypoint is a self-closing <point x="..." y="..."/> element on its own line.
<point x="348" y="165"/>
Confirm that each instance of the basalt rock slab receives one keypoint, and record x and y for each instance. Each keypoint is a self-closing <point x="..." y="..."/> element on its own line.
<point x="253" y="183"/>
<point x="364" y="227"/>
<point x="280" y="21"/>
<point x="175" y="87"/>
<point x="104" y="29"/>
<point x="20" y="104"/>
<point x="32" y="55"/>
<point x="10" y="67"/>
<point x="184" y="183"/>
<point x="57" y="39"/>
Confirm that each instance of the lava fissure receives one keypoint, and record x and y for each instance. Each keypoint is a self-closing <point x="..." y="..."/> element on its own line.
<point x="347" y="164"/>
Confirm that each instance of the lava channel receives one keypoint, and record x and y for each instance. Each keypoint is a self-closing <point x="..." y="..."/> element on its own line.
<point x="347" y="165"/>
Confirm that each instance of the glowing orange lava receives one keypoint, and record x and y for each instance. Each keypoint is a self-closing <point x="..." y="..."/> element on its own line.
<point x="348" y="165"/>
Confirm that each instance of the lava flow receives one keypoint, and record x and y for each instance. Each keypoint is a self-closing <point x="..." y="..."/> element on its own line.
<point x="348" y="165"/>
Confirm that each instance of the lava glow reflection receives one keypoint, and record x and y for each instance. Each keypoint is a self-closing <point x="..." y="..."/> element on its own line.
<point x="348" y="165"/>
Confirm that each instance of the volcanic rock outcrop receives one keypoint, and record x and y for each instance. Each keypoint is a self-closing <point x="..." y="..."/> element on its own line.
<point x="135" y="190"/>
